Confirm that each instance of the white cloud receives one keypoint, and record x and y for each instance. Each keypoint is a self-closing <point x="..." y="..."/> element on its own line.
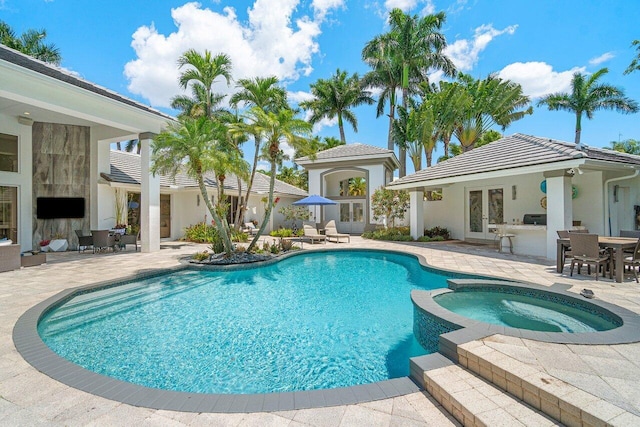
<point x="538" y="78"/>
<point x="602" y="58"/>
<point x="323" y="123"/>
<point x="405" y="5"/>
<point x="287" y="150"/>
<point x="465" y="53"/>
<point x="299" y="96"/>
<point x="269" y="43"/>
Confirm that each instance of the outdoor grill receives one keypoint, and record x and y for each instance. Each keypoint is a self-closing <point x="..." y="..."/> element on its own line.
<point x="535" y="219"/>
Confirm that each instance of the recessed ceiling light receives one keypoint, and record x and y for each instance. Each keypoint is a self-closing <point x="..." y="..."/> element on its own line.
<point x="26" y="113"/>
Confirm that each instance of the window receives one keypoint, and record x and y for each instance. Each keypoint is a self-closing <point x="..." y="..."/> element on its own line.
<point x="9" y="213"/>
<point x="8" y="153"/>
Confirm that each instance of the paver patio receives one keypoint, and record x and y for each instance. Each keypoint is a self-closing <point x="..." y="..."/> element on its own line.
<point x="28" y="397"/>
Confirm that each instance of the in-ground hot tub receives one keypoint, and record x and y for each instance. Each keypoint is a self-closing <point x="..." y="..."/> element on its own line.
<point x="479" y="308"/>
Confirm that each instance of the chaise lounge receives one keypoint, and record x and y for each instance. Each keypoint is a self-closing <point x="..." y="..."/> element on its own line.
<point x="312" y="234"/>
<point x="331" y="232"/>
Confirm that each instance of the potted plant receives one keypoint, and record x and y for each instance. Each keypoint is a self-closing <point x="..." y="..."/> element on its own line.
<point x="44" y="245"/>
<point x="58" y="243"/>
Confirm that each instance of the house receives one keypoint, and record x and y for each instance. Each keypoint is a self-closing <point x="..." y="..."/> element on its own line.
<point x="334" y="171"/>
<point x="56" y="130"/>
<point x="559" y="183"/>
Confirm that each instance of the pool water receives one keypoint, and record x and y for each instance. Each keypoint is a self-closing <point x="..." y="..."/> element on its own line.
<point x="318" y="320"/>
<point x="523" y="311"/>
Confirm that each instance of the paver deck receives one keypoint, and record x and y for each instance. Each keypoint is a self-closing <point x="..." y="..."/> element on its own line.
<point x="28" y="397"/>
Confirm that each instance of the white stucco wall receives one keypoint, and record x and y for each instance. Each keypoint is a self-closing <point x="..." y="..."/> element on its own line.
<point x="22" y="179"/>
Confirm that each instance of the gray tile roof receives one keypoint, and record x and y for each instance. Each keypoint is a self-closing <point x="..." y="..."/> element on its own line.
<point x="125" y="169"/>
<point x="349" y="150"/>
<point x="24" y="61"/>
<point x="511" y="152"/>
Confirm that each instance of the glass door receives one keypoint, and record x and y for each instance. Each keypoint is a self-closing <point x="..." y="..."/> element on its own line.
<point x="351" y="217"/>
<point x="485" y="209"/>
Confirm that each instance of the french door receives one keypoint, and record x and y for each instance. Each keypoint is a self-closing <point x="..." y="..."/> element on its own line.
<point x="351" y="217"/>
<point x="484" y="208"/>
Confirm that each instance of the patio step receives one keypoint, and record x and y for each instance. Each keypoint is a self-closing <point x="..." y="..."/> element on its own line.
<point x="557" y="399"/>
<point x="474" y="401"/>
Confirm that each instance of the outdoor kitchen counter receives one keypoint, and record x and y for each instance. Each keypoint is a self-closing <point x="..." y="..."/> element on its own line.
<point x="533" y="227"/>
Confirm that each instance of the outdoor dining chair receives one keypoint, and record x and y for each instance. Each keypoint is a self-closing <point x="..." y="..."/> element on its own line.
<point x="103" y="240"/>
<point x="633" y="261"/>
<point x="586" y="250"/>
<point x="84" y="242"/>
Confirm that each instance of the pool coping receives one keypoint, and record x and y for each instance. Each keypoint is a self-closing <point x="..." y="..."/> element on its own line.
<point x="31" y="347"/>
<point x="472" y="330"/>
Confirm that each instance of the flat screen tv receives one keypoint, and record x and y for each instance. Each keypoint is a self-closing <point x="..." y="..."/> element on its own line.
<point x="59" y="207"/>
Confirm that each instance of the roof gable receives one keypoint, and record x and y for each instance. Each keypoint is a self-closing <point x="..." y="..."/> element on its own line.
<point x="349" y="152"/>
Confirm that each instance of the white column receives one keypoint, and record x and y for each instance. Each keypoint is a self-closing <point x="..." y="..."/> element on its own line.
<point x="149" y="198"/>
<point x="559" y="208"/>
<point x="416" y="213"/>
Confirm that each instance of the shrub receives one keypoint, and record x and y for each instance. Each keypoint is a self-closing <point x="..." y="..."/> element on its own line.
<point x="239" y="236"/>
<point x="240" y="249"/>
<point x="200" y="233"/>
<point x="286" y="245"/>
<point x="397" y="234"/>
<point x="282" y="232"/>
<point x="274" y="248"/>
<point x="437" y="231"/>
<point x="201" y="256"/>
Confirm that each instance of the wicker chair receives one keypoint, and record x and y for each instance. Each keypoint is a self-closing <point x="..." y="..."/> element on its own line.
<point x="102" y="240"/>
<point x="585" y="250"/>
<point x="129" y="239"/>
<point x="83" y="241"/>
<point x="633" y="261"/>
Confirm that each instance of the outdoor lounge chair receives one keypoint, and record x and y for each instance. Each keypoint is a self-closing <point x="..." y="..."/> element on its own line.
<point x="331" y="232"/>
<point x="312" y="234"/>
<point x="586" y="250"/>
<point x="84" y="242"/>
<point x="250" y="229"/>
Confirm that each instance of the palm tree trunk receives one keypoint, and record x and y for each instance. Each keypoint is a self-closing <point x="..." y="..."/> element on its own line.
<point x="446" y="139"/>
<point x="220" y="223"/>
<point x="392" y="118"/>
<point x="253" y="173"/>
<point x="240" y="209"/>
<point x="118" y="146"/>
<point x="428" y="152"/>
<point x="341" y="127"/>
<point x="402" y="152"/>
<point x="267" y="213"/>
<point x="578" y="126"/>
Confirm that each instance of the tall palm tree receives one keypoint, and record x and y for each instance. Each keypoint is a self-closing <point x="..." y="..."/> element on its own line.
<point x="335" y="97"/>
<point x="635" y="63"/>
<point x="193" y="145"/>
<point x="263" y="93"/>
<point x="448" y="101"/>
<point x="587" y="96"/>
<point x="418" y="46"/>
<point x="386" y="74"/>
<point x="204" y="70"/>
<point x="276" y="128"/>
<point x="31" y="43"/>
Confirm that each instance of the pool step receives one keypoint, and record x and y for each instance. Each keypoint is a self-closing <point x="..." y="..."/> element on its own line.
<point x="541" y="391"/>
<point x="474" y="401"/>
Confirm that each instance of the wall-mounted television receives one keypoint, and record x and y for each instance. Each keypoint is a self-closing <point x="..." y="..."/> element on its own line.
<point x="59" y="207"/>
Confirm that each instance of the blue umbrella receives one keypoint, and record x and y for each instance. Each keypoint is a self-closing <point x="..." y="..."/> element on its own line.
<point x="316" y="200"/>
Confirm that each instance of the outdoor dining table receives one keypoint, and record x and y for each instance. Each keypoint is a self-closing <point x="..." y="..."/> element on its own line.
<point x="617" y="244"/>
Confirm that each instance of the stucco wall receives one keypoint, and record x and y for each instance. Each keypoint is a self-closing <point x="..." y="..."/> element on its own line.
<point x="61" y="160"/>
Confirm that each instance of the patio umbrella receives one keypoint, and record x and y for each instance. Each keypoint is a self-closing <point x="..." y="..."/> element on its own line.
<point x="314" y="200"/>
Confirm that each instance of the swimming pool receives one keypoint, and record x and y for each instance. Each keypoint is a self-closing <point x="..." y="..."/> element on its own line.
<point x="321" y="320"/>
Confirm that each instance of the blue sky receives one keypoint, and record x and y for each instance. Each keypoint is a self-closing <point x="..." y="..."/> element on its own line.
<point x="131" y="47"/>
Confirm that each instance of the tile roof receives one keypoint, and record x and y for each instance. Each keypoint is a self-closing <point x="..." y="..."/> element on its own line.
<point x="40" y="67"/>
<point x="125" y="169"/>
<point x="511" y="152"/>
<point x="349" y="150"/>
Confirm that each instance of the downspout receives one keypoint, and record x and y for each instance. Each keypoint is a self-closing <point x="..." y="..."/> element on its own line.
<point x="607" y="219"/>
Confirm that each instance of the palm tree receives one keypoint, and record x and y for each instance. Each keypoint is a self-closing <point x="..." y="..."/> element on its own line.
<point x="448" y="101"/>
<point x="629" y="146"/>
<point x="336" y="97"/>
<point x="203" y="71"/>
<point x="587" y="96"/>
<point x="417" y="45"/>
<point x="635" y="64"/>
<point x="193" y="145"/>
<point x="357" y="186"/>
<point x="276" y="127"/>
<point x="31" y="43"/>
<point x="386" y="75"/>
<point x="264" y="93"/>
<point x="492" y="101"/>
<point x="195" y="105"/>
